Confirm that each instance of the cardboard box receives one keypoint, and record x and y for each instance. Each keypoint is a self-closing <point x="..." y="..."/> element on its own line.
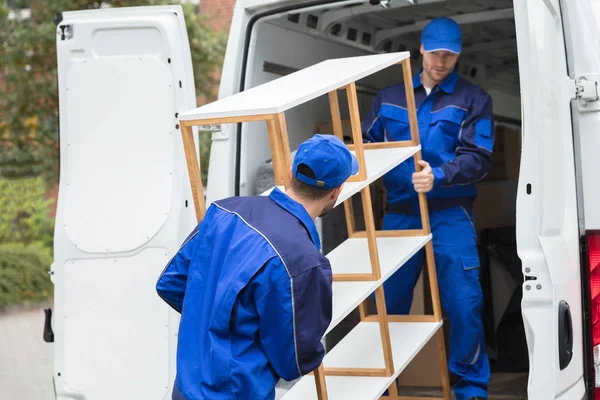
<point x="506" y="156"/>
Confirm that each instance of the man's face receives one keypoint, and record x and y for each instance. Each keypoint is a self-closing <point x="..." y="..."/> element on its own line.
<point x="438" y="64"/>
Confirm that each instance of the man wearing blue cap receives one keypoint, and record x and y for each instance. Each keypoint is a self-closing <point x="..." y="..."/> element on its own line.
<point x="252" y="287"/>
<point x="455" y="127"/>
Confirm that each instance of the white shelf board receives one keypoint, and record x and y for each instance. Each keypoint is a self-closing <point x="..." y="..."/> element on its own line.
<point x="296" y="88"/>
<point x="378" y="162"/>
<point x="352" y="256"/>
<point x="362" y="348"/>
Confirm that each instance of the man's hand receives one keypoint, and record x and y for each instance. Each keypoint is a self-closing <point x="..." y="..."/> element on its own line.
<point x="423" y="181"/>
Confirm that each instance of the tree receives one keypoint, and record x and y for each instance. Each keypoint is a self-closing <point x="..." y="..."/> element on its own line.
<point x="29" y="97"/>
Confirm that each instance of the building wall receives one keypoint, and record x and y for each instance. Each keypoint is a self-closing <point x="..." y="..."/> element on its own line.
<point x="221" y="12"/>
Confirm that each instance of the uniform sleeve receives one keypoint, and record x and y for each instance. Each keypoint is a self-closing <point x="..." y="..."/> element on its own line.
<point x="474" y="156"/>
<point x="171" y="283"/>
<point x="372" y="126"/>
<point x="294" y="314"/>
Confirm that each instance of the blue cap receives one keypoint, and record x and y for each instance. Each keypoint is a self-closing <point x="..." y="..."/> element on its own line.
<point x="442" y="34"/>
<point x="330" y="160"/>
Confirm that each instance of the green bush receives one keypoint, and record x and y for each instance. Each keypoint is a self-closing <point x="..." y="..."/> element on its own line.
<point x="24" y="274"/>
<point x="24" y="218"/>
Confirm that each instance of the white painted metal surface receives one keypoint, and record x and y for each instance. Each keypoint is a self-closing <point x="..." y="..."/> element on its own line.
<point x="583" y="39"/>
<point x="299" y="87"/>
<point x="362" y="348"/>
<point x="352" y="257"/>
<point x="124" y="204"/>
<point x="101" y="356"/>
<point x="547" y="229"/>
<point x="124" y="165"/>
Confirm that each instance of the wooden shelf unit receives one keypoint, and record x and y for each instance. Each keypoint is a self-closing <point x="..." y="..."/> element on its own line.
<point x="370" y="358"/>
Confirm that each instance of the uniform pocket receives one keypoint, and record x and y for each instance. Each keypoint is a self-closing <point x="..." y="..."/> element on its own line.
<point x="396" y="122"/>
<point x="483" y="134"/>
<point x="445" y="125"/>
<point x="470" y="262"/>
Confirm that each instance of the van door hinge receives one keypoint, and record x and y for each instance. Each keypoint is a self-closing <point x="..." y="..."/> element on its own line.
<point x="585" y="91"/>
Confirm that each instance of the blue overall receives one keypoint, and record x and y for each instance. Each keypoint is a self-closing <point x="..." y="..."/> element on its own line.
<point x="254" y="293"/>
<point x="455" y="129"/>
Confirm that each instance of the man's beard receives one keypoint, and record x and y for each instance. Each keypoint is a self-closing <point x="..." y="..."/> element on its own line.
<point x="327" y="209"/>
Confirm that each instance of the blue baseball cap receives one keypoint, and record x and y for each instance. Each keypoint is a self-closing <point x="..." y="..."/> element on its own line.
<point x="442" y="34"/>
<point x="329" y="158"/>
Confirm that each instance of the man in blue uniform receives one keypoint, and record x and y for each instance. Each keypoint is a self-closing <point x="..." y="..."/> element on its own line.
<point x="252" y="287"/>
<point x="455" y="126"/>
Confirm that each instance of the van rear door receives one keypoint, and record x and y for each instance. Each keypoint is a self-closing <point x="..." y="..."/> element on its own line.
<point x="124" y="204"/>
<point x="581" y="24"/>
<point x="547" y="225"/>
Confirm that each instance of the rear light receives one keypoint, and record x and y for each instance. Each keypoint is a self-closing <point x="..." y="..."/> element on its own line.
<point x="593" y="245"/>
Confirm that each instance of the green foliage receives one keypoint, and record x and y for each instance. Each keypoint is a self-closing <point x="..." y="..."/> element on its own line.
<point x="29" y="97"/>
<point x="24" y="218"/>
<point x="24" y="274"/>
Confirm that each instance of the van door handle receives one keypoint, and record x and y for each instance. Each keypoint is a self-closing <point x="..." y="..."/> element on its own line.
<point x="565" y="335"/>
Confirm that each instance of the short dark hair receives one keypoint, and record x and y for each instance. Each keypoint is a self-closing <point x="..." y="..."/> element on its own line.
<point x="305" y="190"/>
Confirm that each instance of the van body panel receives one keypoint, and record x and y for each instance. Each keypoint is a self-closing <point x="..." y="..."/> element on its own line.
<point x="583" y="51"/>
<point x="124" y="202"/>
<point x="547" y="225"/>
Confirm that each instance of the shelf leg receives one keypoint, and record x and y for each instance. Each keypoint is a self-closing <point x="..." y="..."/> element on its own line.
<point x="193" y="165"/>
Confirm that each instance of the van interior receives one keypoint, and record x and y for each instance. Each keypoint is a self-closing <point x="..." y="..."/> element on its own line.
<point x="285" y="43"/>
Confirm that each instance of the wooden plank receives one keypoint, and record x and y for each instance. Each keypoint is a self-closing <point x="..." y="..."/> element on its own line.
<point x="384" y="145"/>
<point x="284" y="148"/>
<point x="193" y="165"/>
<point x="441" y="345"/>
<point x="332" y="371"/>
<point x="353" y="277"/>
<point x="370" y="226"/>
<point x="363" y="311"/>
<point x="228" y="120"/>
<point x="384" y="328"/>
<point x="414" y="134"/>
<point x="356" y="130"/>
<point x="391" y="233"/>
<point x="336" y="118"/>
<point x="320" y="383"/>
<point x="275" y="144"/>
<point x="350" y="222"/>
<point x="429" y="254"/>
<point x="403" y="318"/>
<point x="433" y="280"/>
<point x="393" y="391"/>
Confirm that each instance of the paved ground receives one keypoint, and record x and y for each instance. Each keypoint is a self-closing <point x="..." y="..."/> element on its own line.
<point x="25" y="359"/>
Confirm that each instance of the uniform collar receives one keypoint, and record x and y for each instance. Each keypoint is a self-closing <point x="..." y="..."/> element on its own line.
<point x="447" y="86"/>
<point x="298" y="211"/>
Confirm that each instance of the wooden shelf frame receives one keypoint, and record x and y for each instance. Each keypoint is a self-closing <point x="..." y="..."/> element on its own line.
<point x="280" y="151"/>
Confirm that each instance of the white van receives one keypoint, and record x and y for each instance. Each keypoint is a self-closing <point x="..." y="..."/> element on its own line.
<point x="125" y="205"/>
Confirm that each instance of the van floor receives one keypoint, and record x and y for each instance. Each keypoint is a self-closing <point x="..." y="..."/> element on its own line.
<point x="503" y="386"/>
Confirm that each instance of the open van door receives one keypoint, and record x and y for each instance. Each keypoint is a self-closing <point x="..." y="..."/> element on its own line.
<point x="124" y="203"/>
<point x="547" y="212"/>
<point x="582" y="29"/>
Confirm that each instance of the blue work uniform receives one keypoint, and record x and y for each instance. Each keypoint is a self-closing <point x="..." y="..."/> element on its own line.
<point x="254" y="292"/>
<point x="455" y="128"/>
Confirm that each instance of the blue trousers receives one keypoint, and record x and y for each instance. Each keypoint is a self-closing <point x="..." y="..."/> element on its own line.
<point x="457" y="265"/>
